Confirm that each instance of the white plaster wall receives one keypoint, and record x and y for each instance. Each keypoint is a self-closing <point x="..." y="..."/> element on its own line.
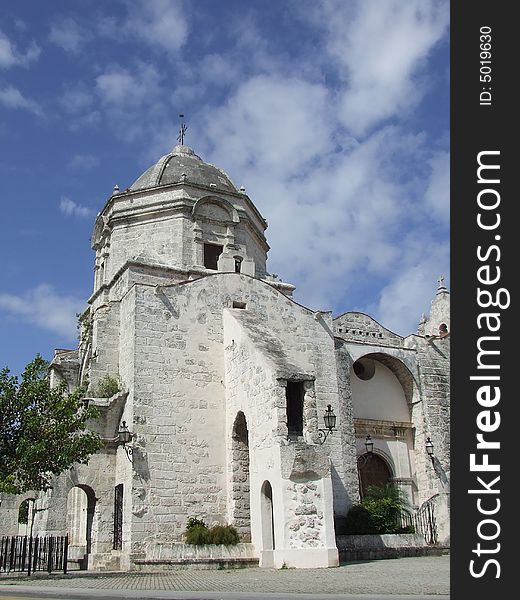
<point x="303" y="509"/>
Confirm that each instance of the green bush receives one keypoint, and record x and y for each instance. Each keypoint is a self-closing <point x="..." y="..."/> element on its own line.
<point x="199" y="534"/>
<point x="224" y="534"/>
<point x="358" y="521"/>
<point x="194" y="522"/>
<point x="379" y="512"/>
<point x="107" y="387"/>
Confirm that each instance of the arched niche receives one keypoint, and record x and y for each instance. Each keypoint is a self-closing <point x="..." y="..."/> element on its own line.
<point x="240" y="477"/>
<point x="213" y="208"/>
<point x="267" y="515"/>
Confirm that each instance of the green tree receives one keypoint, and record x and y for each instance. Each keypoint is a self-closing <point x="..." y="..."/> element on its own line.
<point x="42" y="429"/>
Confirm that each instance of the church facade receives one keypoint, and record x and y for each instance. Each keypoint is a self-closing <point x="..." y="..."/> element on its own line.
<point x="223" y="381"/>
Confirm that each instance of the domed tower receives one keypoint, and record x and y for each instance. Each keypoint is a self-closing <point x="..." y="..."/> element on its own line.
<point x="182" y="218"/>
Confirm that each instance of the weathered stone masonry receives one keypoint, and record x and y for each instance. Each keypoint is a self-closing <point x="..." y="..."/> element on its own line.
<point x="213" y="356"/>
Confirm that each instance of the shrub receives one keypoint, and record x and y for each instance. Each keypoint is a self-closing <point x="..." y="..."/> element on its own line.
<point x="199" y="534"/>
<point x="358" y="521"/>
<point x="107" y="387"/>
<point x="379" y="512"/>
<point x="224" y="534"/>
<point x="194" y="522"/>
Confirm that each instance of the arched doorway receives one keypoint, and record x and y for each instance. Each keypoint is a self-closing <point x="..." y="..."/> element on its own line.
<point x="81" y="505"/>
<point x="26" y="517"/>
<point x="373" y="470"/>
<point x="266" y="507"/>
<point x="240" y="478"/>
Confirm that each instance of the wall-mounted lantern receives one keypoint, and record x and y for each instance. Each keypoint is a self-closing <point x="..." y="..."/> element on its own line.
<point x="429" y="449"/>
<point x="124" y="436"/>
<point x="329" y="418"/>
<point x="369" y="446"/>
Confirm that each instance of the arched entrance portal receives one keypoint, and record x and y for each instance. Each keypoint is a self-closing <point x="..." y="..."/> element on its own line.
<point x="383" y="392"/>
<point x="240" y="478"/>
<point x="373" y="471"/>
<point x="81" y="504"/>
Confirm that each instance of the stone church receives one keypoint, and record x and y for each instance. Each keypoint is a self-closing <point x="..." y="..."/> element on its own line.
<point x="234" y="403"/>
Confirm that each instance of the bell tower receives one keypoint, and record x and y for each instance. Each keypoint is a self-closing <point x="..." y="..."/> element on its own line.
<point x="182" y="215"/>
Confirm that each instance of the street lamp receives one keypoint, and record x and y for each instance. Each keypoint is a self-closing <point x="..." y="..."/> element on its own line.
<point x="363" y="459"/>
<point x="429" y="449"/>
<point x="329" y="419"/>
<point x="124" y="436"/>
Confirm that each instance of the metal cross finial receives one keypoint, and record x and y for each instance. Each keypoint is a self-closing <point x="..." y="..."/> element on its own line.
<point x="182" y="131"/>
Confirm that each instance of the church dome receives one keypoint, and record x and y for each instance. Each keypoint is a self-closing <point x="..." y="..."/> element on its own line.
<point x="182" y="164"/>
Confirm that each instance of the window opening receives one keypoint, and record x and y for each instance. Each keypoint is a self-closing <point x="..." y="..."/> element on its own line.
<point x="211" y="254"/>
<point x="118" y="517"/>
<point x="294" y="394"/>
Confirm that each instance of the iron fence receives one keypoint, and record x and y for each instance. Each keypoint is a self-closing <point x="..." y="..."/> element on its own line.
<point x="425" y="521"/>
<point x="25" y="554"/>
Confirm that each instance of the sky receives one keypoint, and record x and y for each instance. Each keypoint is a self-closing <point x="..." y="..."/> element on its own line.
<point x="333" y="114"/>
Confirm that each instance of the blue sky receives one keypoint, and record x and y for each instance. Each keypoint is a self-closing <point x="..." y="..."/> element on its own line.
<point x="333" y="114"/>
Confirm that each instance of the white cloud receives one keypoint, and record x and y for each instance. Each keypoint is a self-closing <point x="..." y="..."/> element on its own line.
<point x="11" y="97"/>
<point x="159" y="23"/>
<point x="380" y="49"/>
<point x="338" y="209"/>
<point x="10" y="56"/>
<point x="413" y="286"/>
<point x="119" y="88"/>
<point x="272" y="124"/>
<point x="71" y="209"/>
<point x="437" y="195"/>
<point x="45" y="308"/>
<point x="67" y="34"/>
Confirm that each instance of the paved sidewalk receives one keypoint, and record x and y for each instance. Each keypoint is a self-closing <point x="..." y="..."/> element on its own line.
<point x="421" y="577"/>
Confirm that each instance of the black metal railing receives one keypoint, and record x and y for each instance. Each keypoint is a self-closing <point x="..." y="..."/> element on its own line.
<point x="425" y="521"/>
<point x="25" y="554"/>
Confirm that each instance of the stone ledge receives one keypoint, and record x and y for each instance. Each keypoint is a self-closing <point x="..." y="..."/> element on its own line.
<point x="377" y="547"/>
<point x="194" y="563"/>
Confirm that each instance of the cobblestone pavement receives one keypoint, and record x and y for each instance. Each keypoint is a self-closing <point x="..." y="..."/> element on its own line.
<point x="410" y="576"/>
